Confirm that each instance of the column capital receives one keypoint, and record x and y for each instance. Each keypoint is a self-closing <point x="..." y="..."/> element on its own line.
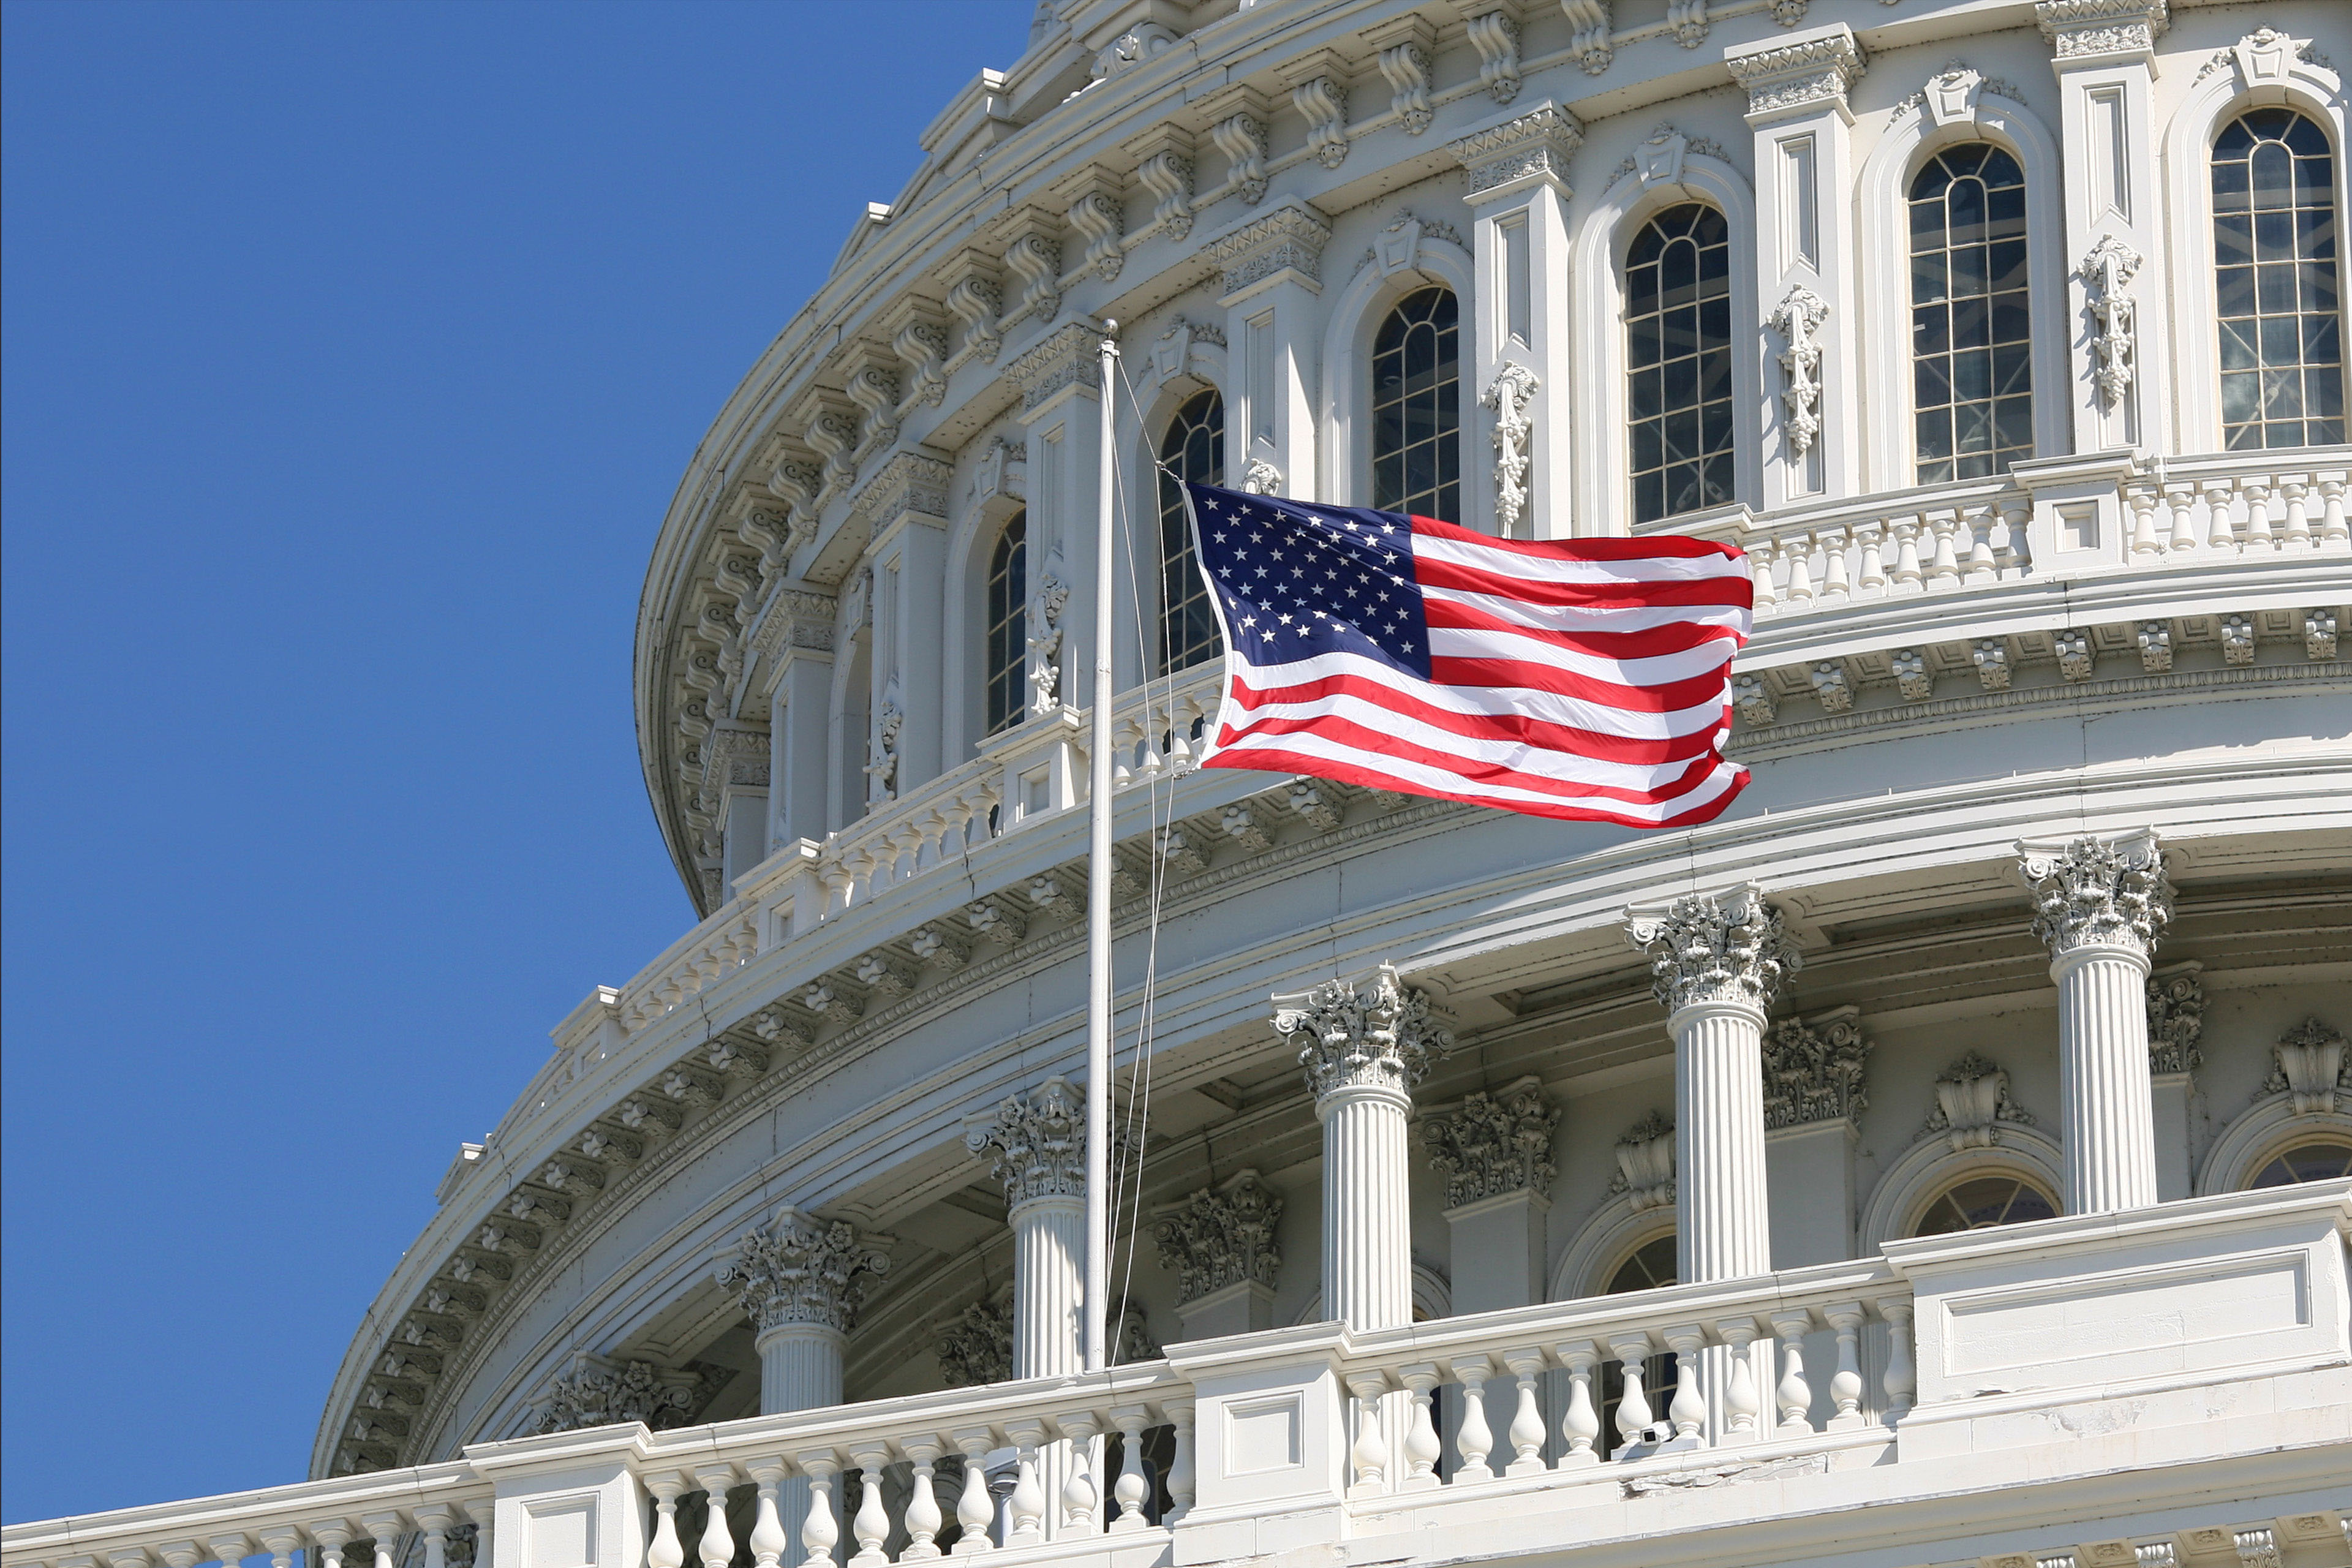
<point x="2093" y="892"/>
<point x="2079" y="30"/>
<point x="1381" y="1038"/>
<point x="976" y="1346"/>
<point x="598" y="1391"/>
<point x="1812" y="1071"/>
<point x="1290" y="238"/>
<point x="1801" y="72"/>
<point x="1705" y="949"/>
<point x="1040" y="1142"/>
<point x="1535" y="144"/>
<point x="798" y="1268"/>
<point x="1494" y="1143"/>
<point x="1221" y="1236"/>
<point x="1064" y="358"/>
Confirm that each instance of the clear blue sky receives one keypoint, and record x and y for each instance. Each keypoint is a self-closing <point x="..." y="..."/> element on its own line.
<point x="353" y="353"/>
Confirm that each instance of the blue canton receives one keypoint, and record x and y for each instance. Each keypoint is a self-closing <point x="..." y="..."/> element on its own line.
<point x="1296" y="580"/>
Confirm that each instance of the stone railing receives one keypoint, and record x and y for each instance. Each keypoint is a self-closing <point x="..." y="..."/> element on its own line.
<point x="1313" y="1433"/>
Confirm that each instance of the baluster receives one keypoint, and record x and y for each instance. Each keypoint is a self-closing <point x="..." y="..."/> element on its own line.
<point x="484" y="1512"/>
<point x="1907" y="553"/>
<point x="1421" y="1448"/>
<point x="1080" y="1501"/>
<point x="1027" y="1503"/>
<point x="2144" y="540"/>
<point x="2332" y="528"/>
<point x="1475" y="1439"/>
<point x="2258" y="515"/>
<point x="1527" y="1433"/>
<point x="767" y="1541"/>
<point x="384" y="1534"/>
<point x="1901" y="1379"/>
<point x="1797" y="551"/>
<point x="1794" y="1394"/>
<point x="1688" y="1409"/>
<point x="1759" y="565"/>
<point x="1370" y="1456"/>
<point x="2220" y="532"/>
<point x="2009" y="543"/>
<point x="2182" y="500"/>
<point x="819" y="1529"/>
<point x="2298" y="519"/>
<point x="1741" y="1404"/>
<point x="717" y="1547"/>
<point x="1126" y="736"/>
<point x="1134" y="1488"/>
<point x="1945" y="568"/>
<point x="229" y="1549"/>
<point x="332" y="1535"/>
<point x="384" y="1529"/>
<point x="1179" y="1465"/>
<point x="1833" y="571"/>
<point x="1633" y="1410"/>
<point x="282" y="1541"/>
<point x="1180" y="735"/>
<point x="922" y="1515"/>
<point x="434" y="1520"/>
<point x="1581" y="1426"/>
<point x="975" y="1510"/>
<point x="136" y="1557"/>
<point x="1846" y="1387"/>
<point x="1869" y="538"/>
<point x="1981" y="563"/>
<point x="871" y="1523"/>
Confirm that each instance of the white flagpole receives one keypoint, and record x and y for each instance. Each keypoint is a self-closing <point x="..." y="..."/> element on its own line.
<point x="1099" y="868"/>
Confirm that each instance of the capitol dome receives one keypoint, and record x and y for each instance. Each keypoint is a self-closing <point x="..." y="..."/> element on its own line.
<point x="1958" y="1127"/>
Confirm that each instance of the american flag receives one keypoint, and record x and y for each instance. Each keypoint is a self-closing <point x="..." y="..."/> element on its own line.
<point x="1586" y="678"/>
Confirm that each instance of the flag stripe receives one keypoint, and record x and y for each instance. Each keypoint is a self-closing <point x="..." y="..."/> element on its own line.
<point x="1497" y="709"/>
<point x="1353" y="721"/>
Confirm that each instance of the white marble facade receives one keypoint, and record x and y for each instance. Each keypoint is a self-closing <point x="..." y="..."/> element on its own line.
<point x="1953" y="1137"/>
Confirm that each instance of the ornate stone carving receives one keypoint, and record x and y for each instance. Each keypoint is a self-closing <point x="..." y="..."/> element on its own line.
<point x="1380" y="1038"/>
<point x="978" y="302"/>
<point x="1911" y="677"/>
<point x="1036" y="255"/>
<point x="1241" y="140"/>
<point x="1063" y="358"/>
<point x="1645" y="1163"/>
<point x="1221" y="1235"/>
<point x="1796" y="76"/>
<point x="1496" y="38"/>
<point x="1590" y="43"/>
<point x="910" y="481"/>
<point x="1539" y="143"/>
<point x="2319" y="633"/>
<point x="1831" y="688"/>
<point x="1812" y="1071"/>
<point x="2237" y="639"/>
<point x="798" y="1268"/>
<point x="1990" y="657"/>
<point x="921" y="344"/>
<point x="1509" y="394"/>
<point x="977" y="1347"/>
<point x="2312" y="1066"/>
<point x="1261" y="477"/>
<point x="1494" y="1143"/>
<point x="1039" y="1142"/>
<point x="1100" y="215"/>
<point x="1045" y="639"/>
<point x="2105" y="270"/>
<point x="2078" y="28"/>
<point x="1404" y="66"/>
<point x="2096" y="893"/>
<point x="1971" y="1102"/>
<point x="2073" y="646"/>
<point x="875" y="389"/>
<point x="1659" y="160"/>
<point x="1798" y="317"/>
<point x="1144" y="41"/>
<point x="1321" y="100"/>
<point x="1705" y="949"/>
<point x="1688" y="19"/>
<point x="1753" y="699"/>
<point x="1167" y="174"/>
<point x="2176" y="1018"/>
<point x="882" y="761"/>
<point x="601" y="1393"/>
<point x="1292" y="236"/>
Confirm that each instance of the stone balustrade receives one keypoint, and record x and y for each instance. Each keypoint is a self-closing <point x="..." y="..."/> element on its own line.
<point x="1229" y="1448"/>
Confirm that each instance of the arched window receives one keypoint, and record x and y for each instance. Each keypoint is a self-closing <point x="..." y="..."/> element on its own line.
<point x="2275" y="282"/>
<point x="1417" y="407"/>
<point x="1008" y="623"/>
<point x="1647" y="1267"/>
<point x="1195" y="449"/>
<point x="1971" y="341"/>
<point x="2313" y="1160"/>
<point x="1678" y="362"/>
<point x="1978" y="1202"/>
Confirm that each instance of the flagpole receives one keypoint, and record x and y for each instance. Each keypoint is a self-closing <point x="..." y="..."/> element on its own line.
<point x="1098" y="869"/>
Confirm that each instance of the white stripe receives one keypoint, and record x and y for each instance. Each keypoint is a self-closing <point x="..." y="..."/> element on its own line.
<point x="1411" y="774"/>
<point x="1543" y="762"/>
<point x="1551" y="569"/>
<point x="1585" y="618"/>
<point x="1545" y="707"/>
<point x="1534" y="648"/>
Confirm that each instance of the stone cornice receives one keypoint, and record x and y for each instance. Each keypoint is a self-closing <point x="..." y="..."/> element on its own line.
<point x="1535" y="145"/>
<point x="1798" y="73"/>
<point x="1290" y="237"/>
<point x="909" y="481"/>
<point x="1063" y="358"/>
<point x="2083" y="29"/>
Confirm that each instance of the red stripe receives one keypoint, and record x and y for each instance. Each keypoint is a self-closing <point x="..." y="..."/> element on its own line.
<point x="1724" y="593"/>
<point x="1677" y="636"/>
<point x="1514" y="727"/>
<point x="1651" y="547"/>
<point x="1447" y="669"/>
<point x="1372" y="778"/>
<point x="1358" y="737"/>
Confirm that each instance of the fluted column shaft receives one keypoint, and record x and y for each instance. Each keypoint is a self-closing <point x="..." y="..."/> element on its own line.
<point x="1367" y="1238"/>
<point x="2106" y="1105"/>
<point x="799" y="1368"/>
<point x="1048" y="1285"/>
<point x="1723" y="1228"/>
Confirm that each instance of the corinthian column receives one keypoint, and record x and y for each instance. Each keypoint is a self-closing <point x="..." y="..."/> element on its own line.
<point x="1363" y="1052"/>
<point x="801" y="1278"/>
<point x="1040" y="1144"/>
<point x="2098" y="906"/>
<point x="1715" y="965"/>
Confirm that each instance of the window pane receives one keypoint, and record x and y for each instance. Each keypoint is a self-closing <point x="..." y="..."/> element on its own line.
<point x="1974" y="349"/>
<point x="2274" y="206"/>
<point x="1416" y="411"/>
<point x="1005" y="666"/>
<point x="1680" y="412"/>
<point x="1195" y="446"/>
